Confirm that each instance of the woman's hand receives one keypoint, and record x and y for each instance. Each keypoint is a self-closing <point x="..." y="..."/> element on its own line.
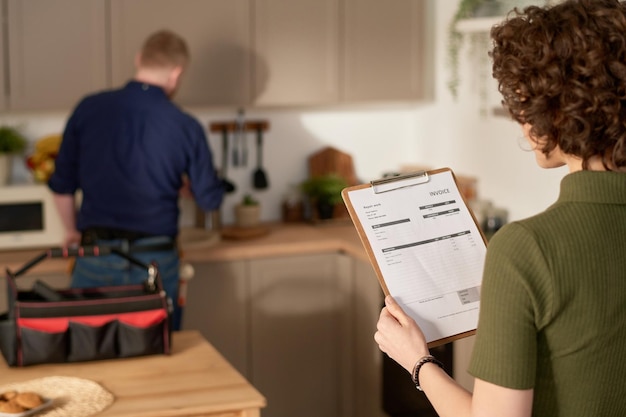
<point x="399" y="336"/>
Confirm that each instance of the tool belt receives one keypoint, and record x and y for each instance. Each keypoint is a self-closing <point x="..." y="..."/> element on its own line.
<point x="94" y="235"/>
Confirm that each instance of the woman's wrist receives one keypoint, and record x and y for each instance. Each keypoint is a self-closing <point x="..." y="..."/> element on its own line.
<point x="418" y="367"/>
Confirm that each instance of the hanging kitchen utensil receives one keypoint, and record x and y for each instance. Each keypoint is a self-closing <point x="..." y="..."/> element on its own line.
<point x="229" y="187"/>
<point x="235" y="150"/>
<point x="259" y="176"/>
<point x="240" y="128"/>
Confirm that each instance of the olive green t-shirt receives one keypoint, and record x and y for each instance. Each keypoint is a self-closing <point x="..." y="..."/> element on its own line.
<point x="553" y="302"/>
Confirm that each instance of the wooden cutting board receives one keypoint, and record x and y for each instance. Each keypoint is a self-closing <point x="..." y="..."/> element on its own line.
<point x="332" y="161"/>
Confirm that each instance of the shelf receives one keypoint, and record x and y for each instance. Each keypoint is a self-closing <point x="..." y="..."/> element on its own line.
<point x="231" y="126"/>
<point x="478" y="24"/>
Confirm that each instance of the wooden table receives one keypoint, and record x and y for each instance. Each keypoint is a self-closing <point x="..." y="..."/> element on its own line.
<point x="194" y="381"/>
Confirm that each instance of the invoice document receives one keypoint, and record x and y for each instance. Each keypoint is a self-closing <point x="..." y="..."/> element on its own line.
<point x="426" y="248"/>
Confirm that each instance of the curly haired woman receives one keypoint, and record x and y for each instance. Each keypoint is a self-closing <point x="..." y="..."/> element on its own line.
<point x="551" y="337"/>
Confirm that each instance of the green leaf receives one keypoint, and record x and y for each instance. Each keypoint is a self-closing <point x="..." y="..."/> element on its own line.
<point x="11" y="141"/>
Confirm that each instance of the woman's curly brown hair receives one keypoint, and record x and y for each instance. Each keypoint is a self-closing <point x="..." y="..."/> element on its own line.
<point x="562" y="69"/>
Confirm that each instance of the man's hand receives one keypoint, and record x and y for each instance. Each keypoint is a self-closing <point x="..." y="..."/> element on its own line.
<point x="185" y="189"/>
<point x="66" y="206"/>
<point x="72" y="238"/>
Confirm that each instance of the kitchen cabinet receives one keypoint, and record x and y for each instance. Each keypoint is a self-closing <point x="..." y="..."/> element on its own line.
<point x="368" y="299"/>
<point x="244" y="53"/>
<point x="217" y="33"/>
<point x="56" y="52"/>
<point x="296" y="46"/>
<point x="3" y="90"/>
<point x="384" y="56"/>
<point x="298" y="327"/>
<point x="218" y="306"/>
<point x="339" y="51"/>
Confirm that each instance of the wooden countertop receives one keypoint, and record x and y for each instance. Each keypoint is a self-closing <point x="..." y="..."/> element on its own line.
<point x="283" y="239"/>
<point x="195" y="380"/>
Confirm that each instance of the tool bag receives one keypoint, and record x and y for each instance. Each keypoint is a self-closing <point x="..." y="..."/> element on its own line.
<point x="44" y="325"/>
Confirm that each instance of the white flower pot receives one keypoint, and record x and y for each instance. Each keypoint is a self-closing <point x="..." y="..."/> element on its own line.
<point x="247" y="216"/>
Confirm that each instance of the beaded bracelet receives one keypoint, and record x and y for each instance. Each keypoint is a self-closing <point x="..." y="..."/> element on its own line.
<point x="418" y="365"/>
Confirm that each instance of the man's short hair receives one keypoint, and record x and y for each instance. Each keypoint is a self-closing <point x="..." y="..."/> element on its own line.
<point x="164" y="49"/>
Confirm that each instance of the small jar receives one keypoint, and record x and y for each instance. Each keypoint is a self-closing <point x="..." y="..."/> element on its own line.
<point x="292" y="207"/>
<point x="293" y="212"/>
<point x="495" y="218"/>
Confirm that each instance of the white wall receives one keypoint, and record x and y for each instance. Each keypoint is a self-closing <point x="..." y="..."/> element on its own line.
<point x="446" y="132"/>
<point x="455" y="134"/>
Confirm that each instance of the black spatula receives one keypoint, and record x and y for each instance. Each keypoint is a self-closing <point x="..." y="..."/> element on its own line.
<point x="259" y="179"/>
<point x="229" y="187"/>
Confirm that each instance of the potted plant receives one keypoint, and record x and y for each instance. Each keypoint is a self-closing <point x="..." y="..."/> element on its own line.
<point x="465" y="10"/>
<point x="11" y="143"/>
<point x="248" y="212"/>
<point x="324" y="192"/>
<point x="473" y="9"/>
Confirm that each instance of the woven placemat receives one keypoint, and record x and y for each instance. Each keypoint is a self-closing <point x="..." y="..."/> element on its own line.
<point x="72" y="397"/>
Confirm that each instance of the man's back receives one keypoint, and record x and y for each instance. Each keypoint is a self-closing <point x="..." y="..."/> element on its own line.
<point x="127" y="150"/>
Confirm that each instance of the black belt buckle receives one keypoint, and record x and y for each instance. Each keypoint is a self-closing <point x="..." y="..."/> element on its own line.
<point x="88" y="237"/>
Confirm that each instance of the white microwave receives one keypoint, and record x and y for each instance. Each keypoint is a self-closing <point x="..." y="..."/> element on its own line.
<point x="28" y="218"/>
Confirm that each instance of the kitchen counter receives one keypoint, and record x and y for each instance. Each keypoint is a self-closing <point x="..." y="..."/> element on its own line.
<point x="194" y="381"/>
<point x="283" y="239"/>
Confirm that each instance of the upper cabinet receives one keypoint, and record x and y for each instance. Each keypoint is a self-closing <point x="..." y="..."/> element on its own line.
<point x="3" y="92"/>
<point x="296" y="52"/>
<point x="244" y="53"/>
<point x="338" y="51"/>
<point x="383" y="46"/>
<point x="56" y="52"/>
<point x="217" y="33"/>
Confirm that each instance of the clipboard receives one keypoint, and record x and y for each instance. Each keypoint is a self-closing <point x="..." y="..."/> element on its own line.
<point x="426" y="248"/>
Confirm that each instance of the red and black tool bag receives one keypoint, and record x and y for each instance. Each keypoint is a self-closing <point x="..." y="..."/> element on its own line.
<point x="43" y="325"/>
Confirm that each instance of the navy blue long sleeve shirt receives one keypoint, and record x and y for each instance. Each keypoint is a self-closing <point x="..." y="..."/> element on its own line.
<point x="127" y="150"/>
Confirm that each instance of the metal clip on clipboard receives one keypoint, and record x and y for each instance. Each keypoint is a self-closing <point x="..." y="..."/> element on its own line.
<point x="401" y="181"/>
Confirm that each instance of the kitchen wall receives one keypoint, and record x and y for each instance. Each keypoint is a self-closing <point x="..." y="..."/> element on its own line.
<point x="445" y="132"/>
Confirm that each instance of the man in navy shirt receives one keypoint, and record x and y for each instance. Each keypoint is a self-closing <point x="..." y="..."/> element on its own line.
<point x="129" y="151"/>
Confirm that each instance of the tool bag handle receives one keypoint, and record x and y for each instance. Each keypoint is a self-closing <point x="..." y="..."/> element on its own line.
<point x="84" y="251"/>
